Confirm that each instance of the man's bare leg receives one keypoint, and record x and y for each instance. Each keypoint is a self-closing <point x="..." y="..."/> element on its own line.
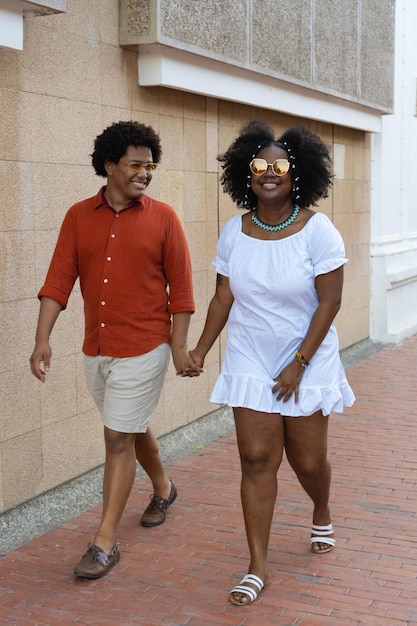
<point x="119" y="474"/>
<point x="148" y="455"/>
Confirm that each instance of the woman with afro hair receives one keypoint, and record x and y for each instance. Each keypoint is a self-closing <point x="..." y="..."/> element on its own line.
<point x="279" y="286"/>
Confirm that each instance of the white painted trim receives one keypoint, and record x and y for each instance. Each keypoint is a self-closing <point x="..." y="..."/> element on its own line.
<point x="44" y="7"/>
<point x="11" y="18"/>
<point x="178" y="69"/>
<point x="394" y="244"/>
<point x="400" y="279"/>
<point x="11" y="25"/>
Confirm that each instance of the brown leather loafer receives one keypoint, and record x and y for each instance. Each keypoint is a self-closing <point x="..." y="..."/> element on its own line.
<point x="155" y="513"/>
<point x="96" y="563"/>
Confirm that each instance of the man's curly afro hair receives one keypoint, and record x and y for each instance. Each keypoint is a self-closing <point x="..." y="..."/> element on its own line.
<point x="311" y="159"/>
<point x="114" y="141"/>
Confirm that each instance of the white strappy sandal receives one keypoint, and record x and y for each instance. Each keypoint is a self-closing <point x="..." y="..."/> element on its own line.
<point x="322" y="535"/>
<point x="249" y="592"/>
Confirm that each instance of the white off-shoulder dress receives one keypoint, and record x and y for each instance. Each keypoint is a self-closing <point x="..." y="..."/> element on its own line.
<point x="273" y="284"/>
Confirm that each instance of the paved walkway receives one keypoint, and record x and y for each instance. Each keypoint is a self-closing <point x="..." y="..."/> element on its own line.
<point x="180" y="573"/>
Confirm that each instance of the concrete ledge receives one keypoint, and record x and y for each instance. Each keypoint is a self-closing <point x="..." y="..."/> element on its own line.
<point x="359" y="351"/>
<point x="40" y="515"/>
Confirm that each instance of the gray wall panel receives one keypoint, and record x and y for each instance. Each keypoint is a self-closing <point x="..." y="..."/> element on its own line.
<point x="338" y="48"/>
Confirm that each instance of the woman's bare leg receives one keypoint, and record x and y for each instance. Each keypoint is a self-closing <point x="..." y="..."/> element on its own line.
<point x="260" y="438"/>
<point x="306" y="449"/>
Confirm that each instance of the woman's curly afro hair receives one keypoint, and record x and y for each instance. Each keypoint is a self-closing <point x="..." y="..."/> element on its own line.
<point x="114" y="141"/>
<point x="311" y="161"/>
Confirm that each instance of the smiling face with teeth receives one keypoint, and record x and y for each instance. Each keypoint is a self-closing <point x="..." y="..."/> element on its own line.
<point x="123" y="183"/>
<point x="270" y="188"/>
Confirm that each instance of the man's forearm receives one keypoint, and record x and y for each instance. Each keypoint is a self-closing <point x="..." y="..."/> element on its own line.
<point x="48" y="314"/>
<point x="180" y="326"/>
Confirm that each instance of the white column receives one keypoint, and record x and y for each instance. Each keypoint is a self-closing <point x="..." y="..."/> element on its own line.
<point x="394" y="195"/>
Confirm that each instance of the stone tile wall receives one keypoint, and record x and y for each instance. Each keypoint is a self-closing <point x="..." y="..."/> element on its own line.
<point x="70" y="81"/>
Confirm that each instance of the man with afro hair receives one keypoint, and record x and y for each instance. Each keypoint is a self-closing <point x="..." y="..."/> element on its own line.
<point x="130" y="254"/>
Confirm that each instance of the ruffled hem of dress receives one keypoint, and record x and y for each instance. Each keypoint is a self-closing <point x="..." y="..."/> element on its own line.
<point x="252" y="393"/>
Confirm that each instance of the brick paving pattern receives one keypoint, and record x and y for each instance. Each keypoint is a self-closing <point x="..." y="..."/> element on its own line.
<point x="180" y="573"/>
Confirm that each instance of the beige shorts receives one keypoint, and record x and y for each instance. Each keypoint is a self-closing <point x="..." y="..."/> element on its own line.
<point x="126" y="391"/>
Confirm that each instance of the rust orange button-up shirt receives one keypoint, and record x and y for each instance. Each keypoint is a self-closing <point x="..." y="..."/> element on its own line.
<point x="134" y="269"/>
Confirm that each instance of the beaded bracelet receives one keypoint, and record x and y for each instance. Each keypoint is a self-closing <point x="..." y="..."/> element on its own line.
<point x="300" y="359"/>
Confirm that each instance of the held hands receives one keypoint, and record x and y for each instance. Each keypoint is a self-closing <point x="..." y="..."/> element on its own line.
<point x="40" y="360"/>
<point x="288" y="381"/>
<point x="184" y="363"/>
<point x="196" y="368"/>
<point x="197" y="359"/>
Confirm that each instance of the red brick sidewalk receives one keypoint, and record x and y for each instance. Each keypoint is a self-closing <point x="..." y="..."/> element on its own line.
<point x="181" y="572"/>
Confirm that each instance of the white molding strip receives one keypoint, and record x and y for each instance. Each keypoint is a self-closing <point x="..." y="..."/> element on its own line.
<point x="394" y="245"/>
<point x="169" y="67"/>
<point x="11" y="25"/>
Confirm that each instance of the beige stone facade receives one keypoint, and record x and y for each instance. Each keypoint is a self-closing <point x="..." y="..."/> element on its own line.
<point x="70" y="81"/>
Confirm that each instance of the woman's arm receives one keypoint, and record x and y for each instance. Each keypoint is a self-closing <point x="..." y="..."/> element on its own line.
<point x="183" y="362"/>
<point x="217" y="315"/>
<point x="329" y="291"/>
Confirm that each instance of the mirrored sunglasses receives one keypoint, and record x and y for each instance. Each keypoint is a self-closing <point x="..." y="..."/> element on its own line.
<point x="279" y="166"/>
<point x="136" y="166"/>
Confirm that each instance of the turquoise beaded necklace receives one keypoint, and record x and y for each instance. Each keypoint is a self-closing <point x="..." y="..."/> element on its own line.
<point x="274" y="229"/>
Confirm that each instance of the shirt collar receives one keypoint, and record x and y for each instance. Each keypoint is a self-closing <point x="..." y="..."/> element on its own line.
<point x="101" y="200"/>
